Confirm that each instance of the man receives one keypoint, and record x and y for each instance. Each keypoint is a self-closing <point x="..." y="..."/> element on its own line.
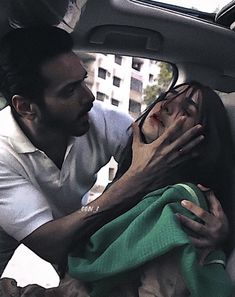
<point x="53" y="141"/>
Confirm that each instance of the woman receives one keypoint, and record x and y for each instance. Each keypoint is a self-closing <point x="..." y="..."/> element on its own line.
<point x="144" y="252"/>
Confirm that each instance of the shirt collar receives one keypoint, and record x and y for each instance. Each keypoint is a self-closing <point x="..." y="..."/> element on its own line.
<point x="16" y="137"/>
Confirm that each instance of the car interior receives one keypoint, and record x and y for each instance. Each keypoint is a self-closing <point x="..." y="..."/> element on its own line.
<point x="199" y="45"/>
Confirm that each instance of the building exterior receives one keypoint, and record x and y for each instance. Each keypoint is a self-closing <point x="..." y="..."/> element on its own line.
<point x="118" y="81"/>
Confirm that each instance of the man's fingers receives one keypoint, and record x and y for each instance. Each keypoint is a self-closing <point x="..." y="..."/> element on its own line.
<point x="198" y="211"/>
<point x="136" y="133"/>
<point x="177" y="158"/>
<point x="170" y="132"/>
<point x="188" y="147"/>
<point x="194" y="226"/>
<point x="187" y="137"/>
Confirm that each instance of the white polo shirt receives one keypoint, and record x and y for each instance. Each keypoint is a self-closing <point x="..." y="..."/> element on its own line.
<point x="33" y="190"/>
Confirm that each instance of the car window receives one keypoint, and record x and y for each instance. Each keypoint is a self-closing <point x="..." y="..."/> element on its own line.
<point x="206" y="6"/>
<point x="227" y="97"/>
<point x="128" y="83"/>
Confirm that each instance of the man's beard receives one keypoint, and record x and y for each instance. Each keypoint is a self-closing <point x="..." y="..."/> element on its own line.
<point x="75" y="127"/>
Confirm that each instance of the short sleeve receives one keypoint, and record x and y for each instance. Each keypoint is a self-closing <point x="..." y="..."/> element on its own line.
<point x="117" y="125"/>
<point x="120" y="133"/>
<point x="23" y="208"/>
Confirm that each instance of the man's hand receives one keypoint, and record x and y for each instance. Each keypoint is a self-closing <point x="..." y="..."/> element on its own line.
<point x="214" y="229"/>
<point x="154" y="160"/>
<point x="53" y="240"/>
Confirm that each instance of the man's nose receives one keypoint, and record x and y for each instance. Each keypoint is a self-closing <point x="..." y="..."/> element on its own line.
<point x="88" y="94"/>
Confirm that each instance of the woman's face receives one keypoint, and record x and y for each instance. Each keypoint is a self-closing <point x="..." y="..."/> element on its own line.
<point x="166" y="112"/>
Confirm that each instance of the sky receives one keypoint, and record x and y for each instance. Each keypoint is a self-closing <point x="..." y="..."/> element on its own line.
<point x="203" y="5"/>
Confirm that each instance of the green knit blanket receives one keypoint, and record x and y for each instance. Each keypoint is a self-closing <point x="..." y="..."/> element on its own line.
<point x="147" y="231"/>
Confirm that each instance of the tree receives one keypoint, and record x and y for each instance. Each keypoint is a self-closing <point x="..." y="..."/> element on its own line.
<point x="2" y="102"/>
<point x="162" y="83"/>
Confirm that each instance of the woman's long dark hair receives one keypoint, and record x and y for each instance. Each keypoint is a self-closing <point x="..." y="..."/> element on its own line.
<point x="214" y="165"/>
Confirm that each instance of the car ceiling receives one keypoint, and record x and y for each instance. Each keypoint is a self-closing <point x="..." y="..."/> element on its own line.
<point x="200" y="49"/>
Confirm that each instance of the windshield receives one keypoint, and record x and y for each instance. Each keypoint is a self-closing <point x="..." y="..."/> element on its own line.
<point x="201" y="5"/>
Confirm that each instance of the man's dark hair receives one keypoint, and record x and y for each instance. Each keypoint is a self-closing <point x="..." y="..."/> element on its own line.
<point x="22" y="53"/>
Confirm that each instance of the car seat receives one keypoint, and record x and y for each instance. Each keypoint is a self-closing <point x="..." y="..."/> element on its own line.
<point x="229" y="102"/>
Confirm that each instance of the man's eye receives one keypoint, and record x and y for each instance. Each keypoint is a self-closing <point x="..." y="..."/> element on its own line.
<point x="71" y="90"/>
<point x="68" y="92"/>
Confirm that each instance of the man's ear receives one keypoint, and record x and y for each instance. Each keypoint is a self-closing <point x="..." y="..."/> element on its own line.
<point x="24" y="107"/>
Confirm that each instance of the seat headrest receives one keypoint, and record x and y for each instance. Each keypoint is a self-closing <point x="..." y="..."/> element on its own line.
<point x="229" y="103"/>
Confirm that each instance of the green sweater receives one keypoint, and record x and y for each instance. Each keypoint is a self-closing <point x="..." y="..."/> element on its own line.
<point x="147" y="231"/>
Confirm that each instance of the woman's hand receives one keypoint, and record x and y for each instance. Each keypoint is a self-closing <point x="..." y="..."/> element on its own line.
<point x="214" y="229"/>
<point x="151" y="162"/>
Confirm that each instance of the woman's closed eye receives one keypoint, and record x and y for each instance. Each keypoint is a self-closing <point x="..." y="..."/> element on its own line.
<point x="189" y="110"/>
<point x="165" y="107"/>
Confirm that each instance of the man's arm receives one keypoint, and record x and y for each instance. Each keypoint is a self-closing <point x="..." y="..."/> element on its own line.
<point x="52" y="240"/>
<point x="150" y="161"/>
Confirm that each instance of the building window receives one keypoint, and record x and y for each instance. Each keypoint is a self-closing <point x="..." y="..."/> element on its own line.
<point x="100" y="96"/>
<point x="116" y="81"/>
<point x="114" y="102"/>
<point x="134" y="106"/>
<point x="136" y="85"/>
<point x="111" y="173"/>
<point x="118" y="60"/>
<point x="136" y="65"/>
<point x="151" y="78"/>
<point x="102" y="73"/>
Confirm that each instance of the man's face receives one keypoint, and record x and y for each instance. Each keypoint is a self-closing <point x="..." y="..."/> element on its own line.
<point x="67" y="99"/>
<point x="166" y="112"/>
